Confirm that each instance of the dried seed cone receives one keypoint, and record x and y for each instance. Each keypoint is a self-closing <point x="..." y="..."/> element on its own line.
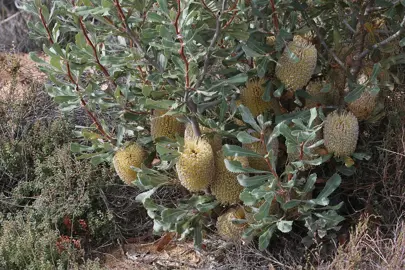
<point x="295" y="75"/>
<point x="133" y="155"/>
<point x="195" y="166"/>
<point x="340" y="133"/>
<point x="252" y="97"/>
<point x="165" y="126"/>
<point x="363" y="106"/>
<point x="214" y="139"/>
<point x="225" y="185"/>
<point x="226" y="229"/>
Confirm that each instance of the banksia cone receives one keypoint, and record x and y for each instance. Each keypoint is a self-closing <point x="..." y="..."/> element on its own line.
<point x="225" y="185"/>
<point x="228" y="230"/>
<point x="133" y="155"/>
<point x="340" y="133"/>
<point x="165" y="126"/>
<point x="363" y="106"/>
<point x="214" y="139"/>
<point x="271" y="40"/>
<point x="295" y="75"/>
<point x="252" y="97"/>
<point x="195" y="166"/>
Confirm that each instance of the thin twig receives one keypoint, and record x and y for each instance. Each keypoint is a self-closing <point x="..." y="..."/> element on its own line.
<point x="211" y="47"/>
<point x="46" y="26"/>
<point x="10" y="18"/>
<point x="84" y="105"/>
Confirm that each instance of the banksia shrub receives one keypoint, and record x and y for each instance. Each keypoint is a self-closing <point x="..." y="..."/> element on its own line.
<point x="225" y="185"/>
<point x="226" y="228"/>
<point x="195" y="166"/>
<point x="252" y="97"/>
<point x="340" y="133"/>
<point x="165" y="126"/>
<point x="196" y="59"/>
<point x="213" y="138"/>
<point x="132" y="155"/>
<point x="297" y="63"/>
<point x="363" y="106"/>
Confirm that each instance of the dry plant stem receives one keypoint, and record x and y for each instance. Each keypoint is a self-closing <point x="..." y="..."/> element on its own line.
<point x="46" y="26"/>
<point x="84" y="105"/>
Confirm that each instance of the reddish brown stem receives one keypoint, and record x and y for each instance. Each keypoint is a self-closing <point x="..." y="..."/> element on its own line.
<point x="205" y="5"/>
<point x="84" y="105"/>
<point x="267" y="159"/>
<point x="275" y="18"/>
<point x="230" y="20"/>
<point x="46" y="26"/>
<point x="86" y="36"/>
<point x="181" y="51"/>
<point x="302" y="151"/>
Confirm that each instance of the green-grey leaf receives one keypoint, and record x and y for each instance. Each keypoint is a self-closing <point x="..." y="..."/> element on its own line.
<point x="331" y="185"/>
<point x="245" y="137"/>
<point x="253" y="181"/>
<point x="285" y="226"/>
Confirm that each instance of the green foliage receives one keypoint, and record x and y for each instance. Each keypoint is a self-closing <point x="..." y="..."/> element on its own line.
<point x="27" y="244"/>
<point x="189" y="58"/>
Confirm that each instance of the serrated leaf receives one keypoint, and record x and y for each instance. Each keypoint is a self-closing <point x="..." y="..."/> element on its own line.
<point x="170" y="215"/>
<point x="163" y="6"/>
<point x="262" y="66"/>
<point x="285" y="226"/>
<point x="264" y="238"/>
<point x="235" y="150"/>
<point x="245" y="137"/>
<point x="253" y="181"/>
<point x="309" y="185"/>
<point x="263" y="212"/>
<point x="236" y="167"/>
<point x="248" y="117"/>
<point x="331" y="185"/>
<point x="145" y="195"/>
